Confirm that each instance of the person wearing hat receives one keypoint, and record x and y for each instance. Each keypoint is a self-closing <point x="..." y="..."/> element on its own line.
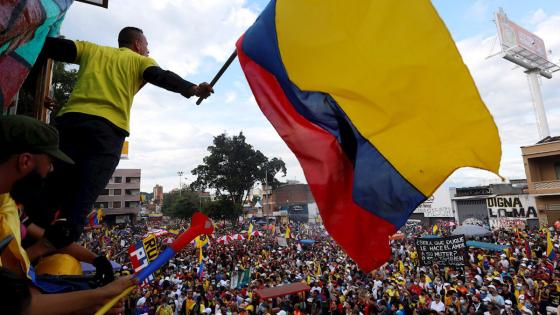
<point x="27" y="150"/>
<point x="27" y="137"/>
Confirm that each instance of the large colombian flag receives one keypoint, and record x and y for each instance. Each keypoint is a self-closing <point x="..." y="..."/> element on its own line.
<point x="374" y="100"/>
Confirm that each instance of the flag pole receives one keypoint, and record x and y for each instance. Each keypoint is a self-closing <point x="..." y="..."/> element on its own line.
<point x="219" y="74"/>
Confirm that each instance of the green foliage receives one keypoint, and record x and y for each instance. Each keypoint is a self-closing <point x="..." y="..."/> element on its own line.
<point x="223" y="208"/>
<point x="271" y="168"/>
<point x="233" y="167"/>
<point x="181" y="205"/>
<point x="63" y="82"/>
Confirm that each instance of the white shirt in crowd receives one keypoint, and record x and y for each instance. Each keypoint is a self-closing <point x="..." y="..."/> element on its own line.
<point x="505" y="263"/>
<point x="438" y="307"/>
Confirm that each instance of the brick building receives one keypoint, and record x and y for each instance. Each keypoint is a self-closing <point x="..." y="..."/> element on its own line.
<point x="158" y="194"/>
<point x="120" y="200"/>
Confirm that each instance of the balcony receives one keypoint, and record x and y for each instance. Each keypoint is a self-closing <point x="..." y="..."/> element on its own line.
<point x="545" y="187"/>
<point x="553" y="207"/>
<point x="121" y="211"/>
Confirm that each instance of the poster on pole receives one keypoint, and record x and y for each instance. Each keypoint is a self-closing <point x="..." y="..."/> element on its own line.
<point x="443" y="251"/>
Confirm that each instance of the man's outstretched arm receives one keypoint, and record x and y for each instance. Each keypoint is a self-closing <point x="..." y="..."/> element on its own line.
<point x="59" y="49"/>
<point x="171" y="81"/>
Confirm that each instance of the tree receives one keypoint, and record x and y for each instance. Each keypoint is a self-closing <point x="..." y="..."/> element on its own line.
<point x="233" y="167"/>
<point x="63" y="81"/>
<point x="271" y="169"/>
<point x="223" y="208"/>
<point x="181" y="205"/>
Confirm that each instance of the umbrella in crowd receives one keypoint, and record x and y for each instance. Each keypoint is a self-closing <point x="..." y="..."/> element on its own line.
<point x="156" y="232"/>
<point x="257" y="234"/>
<point x="238" y="237"/>
<point x="226" y="239"/>
<point x="471" y="230"/>
<point x="88" y="268"/>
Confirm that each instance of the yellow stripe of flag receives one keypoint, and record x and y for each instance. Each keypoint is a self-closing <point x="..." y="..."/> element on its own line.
<point x="393" y="68"/>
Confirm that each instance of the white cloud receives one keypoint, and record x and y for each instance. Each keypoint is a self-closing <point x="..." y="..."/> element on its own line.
<point x="478" y="11"/>
<point x="180" y="33"/>
<point x="231" y="96"/>
<point x="537" y="17"/>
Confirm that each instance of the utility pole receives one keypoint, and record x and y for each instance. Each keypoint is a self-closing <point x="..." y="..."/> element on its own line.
<point x="180" y="174"/>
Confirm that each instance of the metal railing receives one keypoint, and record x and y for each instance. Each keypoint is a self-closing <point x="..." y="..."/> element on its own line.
<point x="544" y="185"/>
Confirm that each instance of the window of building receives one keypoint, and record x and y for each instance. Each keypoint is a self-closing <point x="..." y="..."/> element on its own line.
<point x="117" y="192"/>
<point x="118" y="180"/>
<point x="132" y="192"/>
<point x="557" y="169"/>
<point x="131" y="204"/>
<point x="105" y="192"/>
<point x="133" y="180"/>
<point x="116" y="204"/>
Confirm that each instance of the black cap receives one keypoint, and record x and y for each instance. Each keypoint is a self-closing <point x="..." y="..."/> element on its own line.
<point x="19" y="134"/>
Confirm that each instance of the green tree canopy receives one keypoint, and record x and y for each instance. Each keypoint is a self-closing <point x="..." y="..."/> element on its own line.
<point x="223" y="208"/>
<point x="181" y="205"/>
<point x="63" y="81"/>
<point x="234" y="166"/>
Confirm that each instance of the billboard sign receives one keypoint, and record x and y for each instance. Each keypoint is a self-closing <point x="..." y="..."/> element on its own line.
<point x="515" y="208"/>
<point x="298" y="212"/>
<point x="512" y="35"/>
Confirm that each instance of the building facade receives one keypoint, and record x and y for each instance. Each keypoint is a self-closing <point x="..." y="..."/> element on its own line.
<point x="158" y="194"/>
<point x="293" y="197"/>
<point x="436" y="209"/>
<point x="120" y="200"/>
<point x="505" y="205"/>
<point x="542" y="168"/>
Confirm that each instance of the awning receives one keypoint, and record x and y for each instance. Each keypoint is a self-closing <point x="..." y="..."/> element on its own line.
<point x="282" y="290"/>
<point x="479" y="197"/>
<point x="487" y="246"/>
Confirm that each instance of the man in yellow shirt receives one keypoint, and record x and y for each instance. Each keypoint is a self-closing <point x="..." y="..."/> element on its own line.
<point x="27" y="150"/>
<point x="95" y="121"/>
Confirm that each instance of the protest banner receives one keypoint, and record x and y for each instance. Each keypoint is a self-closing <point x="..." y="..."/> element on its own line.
<point x="444" y="251"/>
<point x="142" y="253"/>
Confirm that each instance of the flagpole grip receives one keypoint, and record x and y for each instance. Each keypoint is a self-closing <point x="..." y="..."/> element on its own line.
<point x="220" y="72"/>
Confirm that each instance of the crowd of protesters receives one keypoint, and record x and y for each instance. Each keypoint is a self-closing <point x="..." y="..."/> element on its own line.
<point x="520" y="280"/>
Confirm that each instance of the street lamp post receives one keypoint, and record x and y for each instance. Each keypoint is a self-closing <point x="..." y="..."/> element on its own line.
<point x="180" y="174"/>
<point x="265" y="191"/>
<point x="199" y="193"/>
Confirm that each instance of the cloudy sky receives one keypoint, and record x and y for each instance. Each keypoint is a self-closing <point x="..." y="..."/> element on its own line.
<point x="193" y="38"/>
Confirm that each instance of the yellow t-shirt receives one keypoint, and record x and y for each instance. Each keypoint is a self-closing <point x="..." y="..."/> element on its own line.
<point x="108" y="79"/>
<point x="14" y="256"/>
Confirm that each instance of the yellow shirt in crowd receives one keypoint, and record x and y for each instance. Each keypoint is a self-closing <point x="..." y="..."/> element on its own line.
<point x="108" y="79"/>
<point x="14" y="256"/>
